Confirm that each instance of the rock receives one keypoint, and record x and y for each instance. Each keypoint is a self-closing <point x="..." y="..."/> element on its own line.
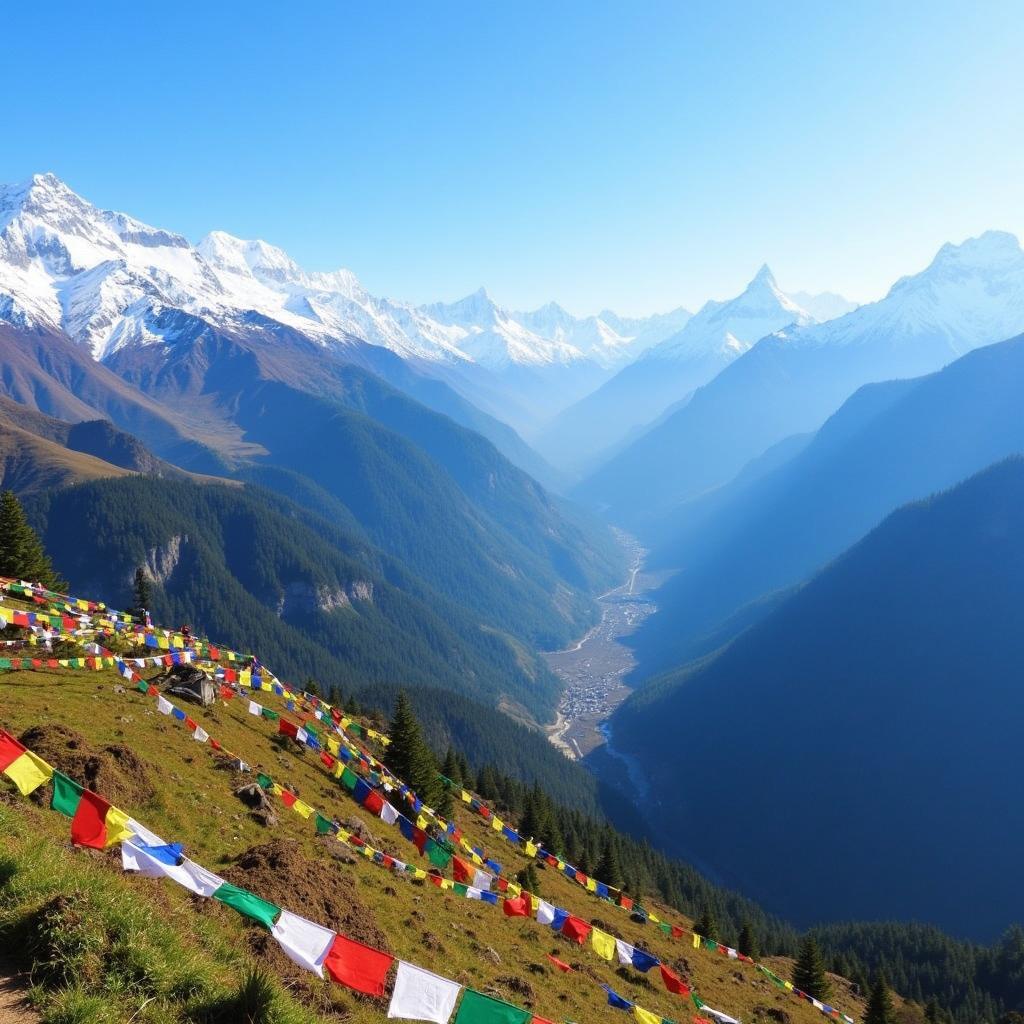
<point x="491" y="954"/>
<point x="432" y="942"/>
<point x="772" y="1013"/>
<point x="253" y="796"/>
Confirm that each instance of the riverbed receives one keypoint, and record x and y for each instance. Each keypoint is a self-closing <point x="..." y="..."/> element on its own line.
<point x="594" y="668"/>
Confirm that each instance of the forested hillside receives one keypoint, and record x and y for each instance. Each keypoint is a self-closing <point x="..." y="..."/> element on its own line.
<point x="895" y="674"/>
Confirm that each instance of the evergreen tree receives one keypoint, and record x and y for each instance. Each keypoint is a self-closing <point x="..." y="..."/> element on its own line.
<point x="450" y="768"/>
<point x="706" y="924"/>
<point x="809" y="971"/>
<point x="408" y="756"/>
<point x="879" y="1009"/>
<point x="609" y="868"/>
<point x="747" y="943"/>
<point x="21" y="553"/>
<point x="445" y="805"/>
<point x="142" y="592"/>
<point x="466" y="773"/>
<point x="529" y="879"/>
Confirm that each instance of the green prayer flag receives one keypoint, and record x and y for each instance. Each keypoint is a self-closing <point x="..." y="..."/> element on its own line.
<point x="142" y="686"/>
<point x="270" y="716"/>
<point x="696" y="1001"/>
<point x="460" y="888"/>
<point x="666" y="928"/>
<point x="323" y="825"/>
<point x="265" y="781"/>
<point x="477" y="1008"/>
<point x="5" y="662"/>
<point x="437" y="854"/>
<point x="349" y="778"/>
<point x="247" y="904"/>
<point x="357" y="729"/>
<point x="66" y="794"/>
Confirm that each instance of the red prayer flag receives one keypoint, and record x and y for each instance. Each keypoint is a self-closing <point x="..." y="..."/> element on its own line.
<point x="10" y="750"/>
<point x="460" y="870"/>
<point x="625" y="901"/>
<point x="540" y="1020"/>
<point x="288" y="798"/>
<point x="419" y="837"/>
<point x="214" y="744"/>
<point x="518" y="907"/>
<point x="288" y="728"/>
<point x="327" y="759"/>
<point x="357" y="966"/>
<point x="560" y="964"/>
<point x="677" y="932"/>
<point x="89" y="825"/>
<point x="502" y="885"/>
<point x="576" y="929"/>
<point x="374" y="803"/>
<point x="152" y="691"/>
<point x="673" y="982"/>
<point x="191" y="723"/>
<point x="226" y="693"/>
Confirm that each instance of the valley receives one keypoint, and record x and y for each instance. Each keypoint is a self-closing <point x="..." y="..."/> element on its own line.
<point x="594" y="668"/>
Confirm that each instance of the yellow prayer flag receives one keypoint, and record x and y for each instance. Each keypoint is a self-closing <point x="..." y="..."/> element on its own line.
<point x="645" y="1016"/>
<point x="338" y="769"/>
<point x="561" y="865"/>
<point x="333" y="746"/>
<point x="534" y="903"/>
<point x="421" y="822"/>
<point x="466" y="798"/>
<point x="28" y="772"/>
<point x="420" y="873"/>
<point x="603" y="943"/>
<point x="654" y="918"/>
<point x="696" y="941"/>
<point x="530" y="849"/>
<point x="789" y="986"/>
<point x="591" y="884"/>
<point x="117" y="826"/>
<point x="163" y="643"/>
<point x="497" y="824"/>
<point x="302" y="808"/>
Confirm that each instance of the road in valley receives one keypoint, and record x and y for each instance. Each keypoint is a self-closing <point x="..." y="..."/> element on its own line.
<point x="593" y="669"/>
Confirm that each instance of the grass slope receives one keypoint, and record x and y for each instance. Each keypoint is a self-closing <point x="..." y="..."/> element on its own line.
<point x="107" y="947"/>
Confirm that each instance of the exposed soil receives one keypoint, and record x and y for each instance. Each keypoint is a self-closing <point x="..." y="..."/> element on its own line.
<point x="115" y="771"/>
<point x="14" y="1008"/>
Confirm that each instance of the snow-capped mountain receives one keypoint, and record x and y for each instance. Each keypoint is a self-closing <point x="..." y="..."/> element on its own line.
<point x="107" y="279"/>
<point x="668" y="372"/>
<point x="790" y="381"/>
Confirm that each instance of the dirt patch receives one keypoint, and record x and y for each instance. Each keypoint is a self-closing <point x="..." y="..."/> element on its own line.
<point x="115" y="772"/>
<point x="14" y="1007"/>
<point x="279" y="871"/>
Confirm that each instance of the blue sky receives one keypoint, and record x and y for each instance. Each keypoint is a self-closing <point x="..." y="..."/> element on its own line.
<point x="636" y="156"/>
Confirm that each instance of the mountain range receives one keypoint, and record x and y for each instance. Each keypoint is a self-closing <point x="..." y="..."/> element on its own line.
<point x="790" y="381"/>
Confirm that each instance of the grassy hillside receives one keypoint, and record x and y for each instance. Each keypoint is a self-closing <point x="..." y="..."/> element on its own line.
<point x="107" y="946"/>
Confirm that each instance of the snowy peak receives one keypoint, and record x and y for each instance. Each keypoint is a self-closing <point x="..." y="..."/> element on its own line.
<point x="727" y="329"/>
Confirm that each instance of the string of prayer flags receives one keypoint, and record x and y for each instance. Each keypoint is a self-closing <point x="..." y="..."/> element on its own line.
<point x="359" y="967"/>
<point x="25" y="769"/>
<point x="135" y="856"/>
<point x="422" y="995"/>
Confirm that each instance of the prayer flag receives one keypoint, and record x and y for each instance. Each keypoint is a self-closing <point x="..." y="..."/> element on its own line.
<point x="673" y="982"/>
<point x="614" y="999"/>
<point x="66" y="794"/>
<point x="422" y="995"/>
<point x="560" y="964"/>
<point x="518" y="907"/>
<point x="248" y="904"/>
<point x="603" y="943"/>
<point x="303" y="942"/>
<point x="545" y="913"/>
<point x="477" y="1008"/>
<point x="576" y="929"/>
<point x="645" y="1016"/>
<point x="26" y="770"/>
<point x="359" y="967"/>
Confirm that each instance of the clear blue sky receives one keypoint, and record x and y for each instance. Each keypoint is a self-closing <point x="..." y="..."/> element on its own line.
<point x="632" y="155"/>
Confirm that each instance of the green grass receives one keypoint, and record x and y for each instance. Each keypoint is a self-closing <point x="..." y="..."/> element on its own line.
<point x="103" y="945"/>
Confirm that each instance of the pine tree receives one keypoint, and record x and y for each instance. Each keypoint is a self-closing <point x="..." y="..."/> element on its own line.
<point x="879" y="1009"/>
<point x="466" y="773"/>
<point x="408" y="756"/>
<point x="445" y="805"/>
<point x="809" y="971"/>
<point x="450" y="768"/>
<point x="747" y="943"/>
<point x="21" y="553"/>
<point x="609" y="868"/>
<point x="706" y="924"/>
<point x="529" y="880"/>
<point x="142" y="592"/>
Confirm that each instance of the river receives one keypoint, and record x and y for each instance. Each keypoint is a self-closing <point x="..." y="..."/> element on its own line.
<point x="595" y="667"/>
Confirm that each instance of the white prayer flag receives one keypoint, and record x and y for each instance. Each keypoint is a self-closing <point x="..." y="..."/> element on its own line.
<point x="624" y="951"/>
<point x="255" y="709"/>
<point x="149" y="838"/>
<point x="545" y="913"/>
<point x="482" y="880"/>
<point x="189" y="874"/>
<point x="422" y="995"/>
<point x="164" y="706"/>
<point x="301" y="736"/>
<point x="388" y="814"/>
<point x="200" y="735"/>
<point x="473" y="893"/>
<point x="304" y="942"/>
